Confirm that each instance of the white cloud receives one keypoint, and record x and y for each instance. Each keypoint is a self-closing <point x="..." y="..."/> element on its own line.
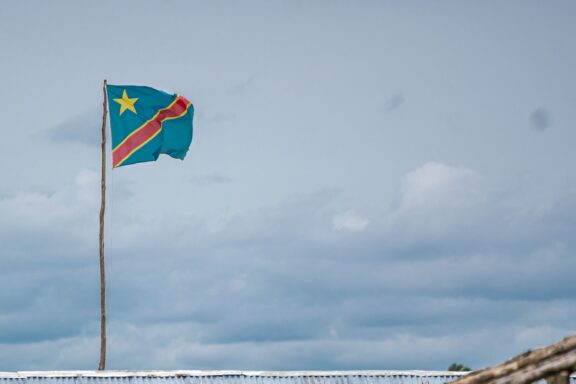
<point x="350" y="221"/>
<point x="436" y="184"/>
<point x="87" y="186"/>
<point x="69" y="207"/>
<point x="439" y="203"/>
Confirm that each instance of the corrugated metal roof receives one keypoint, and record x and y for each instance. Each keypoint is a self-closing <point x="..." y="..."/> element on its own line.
<point x="232" y="377"/>
<point x="228" y="377"/>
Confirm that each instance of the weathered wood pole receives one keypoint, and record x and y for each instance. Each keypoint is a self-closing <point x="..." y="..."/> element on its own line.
<point x="102" y="364"/>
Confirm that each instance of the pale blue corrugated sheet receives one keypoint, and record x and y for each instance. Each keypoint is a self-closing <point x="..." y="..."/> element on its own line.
<point x="228" y="377"/>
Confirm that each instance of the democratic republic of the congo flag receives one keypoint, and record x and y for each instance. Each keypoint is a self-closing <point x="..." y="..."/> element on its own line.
<point x="146" y="122"/>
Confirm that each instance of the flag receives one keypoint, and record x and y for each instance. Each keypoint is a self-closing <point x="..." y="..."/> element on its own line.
<point x="146" y="122"/>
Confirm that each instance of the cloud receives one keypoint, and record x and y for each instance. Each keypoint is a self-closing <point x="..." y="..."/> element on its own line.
<point x="350" y="221"/>
<point x="47" y="240"/>
<point x="84" y="128"/>
<point x="221" y="117"/>
<point x="435" y="184"/>
<point x="540" y="119"/>
<point x="242" y="87"/>
<point x="439" y="274"/>
<point x="203" y="118"/>
<point x="394" y="102"/>
<point x="210" y="179"/>
<point x="40" y="215"/>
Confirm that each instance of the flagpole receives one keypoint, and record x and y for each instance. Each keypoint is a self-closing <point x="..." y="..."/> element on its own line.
<point x="102" y="364"/>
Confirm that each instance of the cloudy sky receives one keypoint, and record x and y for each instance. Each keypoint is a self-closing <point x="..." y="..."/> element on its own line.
<point x="371" y="185"/>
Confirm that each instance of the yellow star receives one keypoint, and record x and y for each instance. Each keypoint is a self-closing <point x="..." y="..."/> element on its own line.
<point x="126" y="103"/>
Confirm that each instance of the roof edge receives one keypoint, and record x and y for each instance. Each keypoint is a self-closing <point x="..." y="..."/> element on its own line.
<point x="198" y="373"/>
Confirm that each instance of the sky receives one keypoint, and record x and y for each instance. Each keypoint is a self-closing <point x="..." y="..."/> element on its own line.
<point x="371" y="184"/>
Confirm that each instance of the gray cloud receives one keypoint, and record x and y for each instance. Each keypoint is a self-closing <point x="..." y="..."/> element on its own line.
<point x="210" y="179"/>
<point x="395" y="101"/>
<point x="84" y="128"/>
<point x="242" y="87"/>
<point x="203" y="118"/>
<point x="282" y="278"/>
<point x="221" y="118"/>
<point x="540" y="119"/>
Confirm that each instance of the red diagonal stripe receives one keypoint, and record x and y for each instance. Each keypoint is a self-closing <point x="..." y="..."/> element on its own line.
<point x="147" y="130"/>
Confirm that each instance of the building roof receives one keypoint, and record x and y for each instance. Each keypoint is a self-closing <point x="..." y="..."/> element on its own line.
<point x="232" y="377"/>
<point x="229" y="377"/>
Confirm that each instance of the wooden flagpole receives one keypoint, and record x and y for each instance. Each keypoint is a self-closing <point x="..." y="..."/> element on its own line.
<point x="102" y="364"/>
